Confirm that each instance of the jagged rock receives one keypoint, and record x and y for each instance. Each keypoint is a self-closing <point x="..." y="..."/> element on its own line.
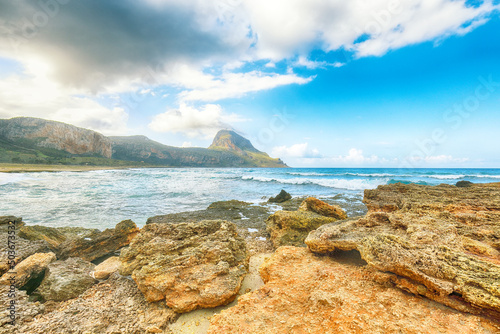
<point x="5" y="220"/>
<point x="23" y="249"/>
<point x="464" y="184"/>
<point x="113" y="306"/>
<point x="50" y="234"/>
<point x="439" y="242"/>
<point x="315" y="205"/>
<point x="23" y="310"/>
<point x="30" y="269"/>
<point x="99" y="244"/>
<point x="66" y="279"/>
<point x="104" y="269"/>
<point x="305" y="293"/>
<point x="190" y="265"/>
<point x="292" y="227"/>
<point x="283" y="196"/>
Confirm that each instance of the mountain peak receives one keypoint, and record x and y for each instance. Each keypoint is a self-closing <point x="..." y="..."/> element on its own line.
<point x="231" y="141"/>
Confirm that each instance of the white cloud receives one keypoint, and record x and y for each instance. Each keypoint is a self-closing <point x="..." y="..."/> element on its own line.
<point x="34" y="95"/>
<point x="311" y="65"/>
<point x="296" y="151"/>
<point x="187" y="144"/>
<point x="193" y="122"/>
<point x="436" y="159"/>
<point x="356" y="157"/>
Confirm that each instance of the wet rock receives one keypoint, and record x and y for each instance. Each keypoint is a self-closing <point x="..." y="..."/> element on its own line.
<point x="113" y="306"/>
<point x="439" y="242"/>
<point x="107" y="267"/>
<point x="190" y="265"/>
<point x="464" y="184"/>
<point x="305" y="293"/>
<point x="50" y="234"/>
<point x="99" y="244"/>
<point x="27" y="271"/>
<point x="315" y="205"/>
<point x="283" y="196"/>
<point x="66" y="279"/>
<point x="292" y="227"/>
<point x="23" y="309"/>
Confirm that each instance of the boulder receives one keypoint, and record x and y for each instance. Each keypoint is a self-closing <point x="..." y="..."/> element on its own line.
<point x="283" y="196"/>
<point x="27" y="271"/>
<point x="104" y="269"/>
<point x="306" y="293"/>
<point x="5" y="222"/>
<point x="464" y="184"/>
<point x="292" y="227"/>
<point x="438" y="241"/>
<point x="50" y="234"/>
<point x="190" y="265"/>
<point x="66" y="279"/>
<point x="23" y="249"/>
<point x="99" y="244"/>
<point x="113" y="306"/>
<point x="315" y="205"/>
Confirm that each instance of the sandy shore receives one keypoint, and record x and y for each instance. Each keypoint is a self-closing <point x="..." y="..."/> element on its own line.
<point x="22" y="168"/>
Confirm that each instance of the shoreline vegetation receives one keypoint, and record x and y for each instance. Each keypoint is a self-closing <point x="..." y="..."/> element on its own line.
<point x="423" y="259"/>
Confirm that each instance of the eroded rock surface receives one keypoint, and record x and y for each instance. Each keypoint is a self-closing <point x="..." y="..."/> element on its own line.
<point x="324" y="209"/>
<point x="23" y="310"/>
<point x="440" y="242"/>
<point x="190" y="265"/>
<point x="305" y="293"/>
<point x="99" y="244"/>
<point x="106" y="268"/>
<point x="113" y="306"/>
<point x="27" y="270"/>
<point x="66" y="279"/>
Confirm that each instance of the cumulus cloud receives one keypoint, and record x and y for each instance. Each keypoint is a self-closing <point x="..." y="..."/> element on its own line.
<point x="296" y="151"/>
<point x="436" y="160"/>
<point x="356" y="157"/>
<point x="194" y="122"/>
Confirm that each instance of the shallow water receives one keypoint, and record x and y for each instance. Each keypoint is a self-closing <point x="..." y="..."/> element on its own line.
<point x="101" y="199"/>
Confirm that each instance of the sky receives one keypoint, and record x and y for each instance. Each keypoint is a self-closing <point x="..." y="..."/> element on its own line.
<point x="317" y="83"/>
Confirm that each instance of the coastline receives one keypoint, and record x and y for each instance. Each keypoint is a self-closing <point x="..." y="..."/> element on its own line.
<point x="29" y="168"/>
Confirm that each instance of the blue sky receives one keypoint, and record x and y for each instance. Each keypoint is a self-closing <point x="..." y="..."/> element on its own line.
<point x="316" y="83"/>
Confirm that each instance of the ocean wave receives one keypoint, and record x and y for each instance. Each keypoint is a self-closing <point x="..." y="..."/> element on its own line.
<point x="6" y="178"/>
<point x="445" y="177"/>
<point x="485" y="176"/>
<point x="359" y="184"/>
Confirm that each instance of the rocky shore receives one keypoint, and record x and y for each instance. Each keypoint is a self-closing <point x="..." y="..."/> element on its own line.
<point x="424" y="259"/>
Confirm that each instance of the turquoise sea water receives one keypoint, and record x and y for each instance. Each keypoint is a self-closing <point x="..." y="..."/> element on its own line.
<point x="101" y="199"/>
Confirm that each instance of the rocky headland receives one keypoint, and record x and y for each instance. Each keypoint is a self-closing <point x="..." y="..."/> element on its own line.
<point x="423" y="259"/>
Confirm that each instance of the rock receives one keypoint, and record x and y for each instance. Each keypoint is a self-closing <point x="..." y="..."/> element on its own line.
<point x="439" y="242"/>
<point x="292" y="227"/>
<point x="23" y="249"/>
<point x="23" y="310"/>
<point x="50" y="234"/>
<point x="228" y="205"/>
<point x="113" y="306"/>
<point x="66" y="279"/>
<point x="304" y="293"/>
<point x="283" y="196"/>
<point x="190" y="265"/>
<point x="27" y="271"/>
<point x="315" y="205"/>
<point x="464" y="184"/>
<point x="107" y="267"/>
<point x="6" y="220"/>
<point x="99" y="244"/>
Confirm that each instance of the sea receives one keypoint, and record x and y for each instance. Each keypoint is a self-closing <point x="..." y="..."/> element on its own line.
<point x="101" y="199"/>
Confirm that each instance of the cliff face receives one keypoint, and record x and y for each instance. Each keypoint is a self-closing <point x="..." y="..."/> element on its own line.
<point x="230" y="141"/>
<point x="34" y="140"/>
<point x="41" y="133"/>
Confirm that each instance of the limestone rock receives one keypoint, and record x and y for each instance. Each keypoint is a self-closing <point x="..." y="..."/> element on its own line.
<point x="464" y="184"/>
<point x="99" y="244"/>
<point x="50" y="234"/>
<point x="283" y="196"/>
<point x="190" y="265"/>
<point x="24" y="310"/>
<point x="23" y="249"/>
<point x="5" y="220"/>
<point x="66" y="279"/>
<point x="305" y="293"/>
<point x="315" y="205"/>
<point x="113" y="306"/>
<point x="292" y="227"/>
<point x="438" y="241"/>
<point x="104" y="269"/>
<point x="28" y="270"/>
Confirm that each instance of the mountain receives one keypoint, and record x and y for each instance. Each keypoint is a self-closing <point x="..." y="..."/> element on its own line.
<point x="34" y="140"/>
